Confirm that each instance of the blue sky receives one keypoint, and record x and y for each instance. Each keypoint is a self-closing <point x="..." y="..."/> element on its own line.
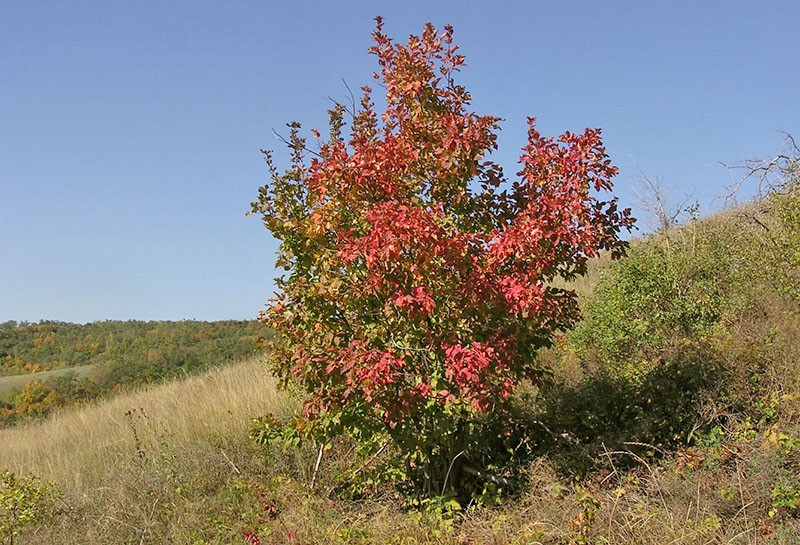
<point x="130" y="132"/>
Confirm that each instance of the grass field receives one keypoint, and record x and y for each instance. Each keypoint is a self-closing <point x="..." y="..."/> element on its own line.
<point x="77" y="448"/>
<point x="130" y="465"/>
<point x="16" y="382"/>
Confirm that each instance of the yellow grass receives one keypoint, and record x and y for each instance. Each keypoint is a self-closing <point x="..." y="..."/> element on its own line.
<point x="79" y="448"/>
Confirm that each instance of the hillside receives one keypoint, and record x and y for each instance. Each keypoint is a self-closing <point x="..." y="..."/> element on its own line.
<point x="48" y="345"/>
<point x="138" y="465"/>
<point x="672" y="415"/>
<point x="11" y="385"/>
<point x="53" y="364"/>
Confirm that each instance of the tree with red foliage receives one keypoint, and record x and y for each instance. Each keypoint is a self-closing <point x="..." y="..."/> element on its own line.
<point x="419" y="281"/>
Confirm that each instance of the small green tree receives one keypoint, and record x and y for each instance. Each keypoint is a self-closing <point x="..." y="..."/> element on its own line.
<point x="784" y="203"/>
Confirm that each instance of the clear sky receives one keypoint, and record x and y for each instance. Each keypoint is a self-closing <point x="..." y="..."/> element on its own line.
<point x="130" y="131"/>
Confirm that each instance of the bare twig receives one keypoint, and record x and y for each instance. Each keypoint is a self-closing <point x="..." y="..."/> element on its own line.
<point x="770" y="175"/>
<point x="352" y="100"/>
<point x="283" y="139"/>
<point x="449" y="469"/>
<point x="230" y="462"/>
<point x="657" y="201"/>
<point x="316" y="466"/>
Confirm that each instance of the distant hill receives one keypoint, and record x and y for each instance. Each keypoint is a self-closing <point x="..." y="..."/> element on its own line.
<point x="51" y="363"/>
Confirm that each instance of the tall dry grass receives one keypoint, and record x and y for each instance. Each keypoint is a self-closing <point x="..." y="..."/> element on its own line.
<point x="78" y="448"/>
<point x="153" y="465"/>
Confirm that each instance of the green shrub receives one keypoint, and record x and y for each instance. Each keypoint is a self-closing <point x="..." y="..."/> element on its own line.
<point x="671" y="290"/>
<point x="24" y="501"/>
<point x="645" y="415"/>
<point x="647" y="302"/>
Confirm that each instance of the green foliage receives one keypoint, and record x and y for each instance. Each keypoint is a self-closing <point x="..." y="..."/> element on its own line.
<point x="697" y="315"/>
<point x="785" y="498"/>
<point x="661" y="295"/>
<point x="646" y="414"/>
<point x="728" y="283"/>
<point x="74" y="388"/>
<point x="785" y="237"/>
<point x="27" y="348"/>
<point x="24" y="501"/>
<point x="268" y="430"/>
<point x="36" y="399"/>
<point x="778" y="214"/>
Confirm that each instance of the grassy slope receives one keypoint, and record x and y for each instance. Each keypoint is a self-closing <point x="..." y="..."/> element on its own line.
<point x="130" y="465"/>
<point x="77" y="448"/>
<point x="173" y="465"/>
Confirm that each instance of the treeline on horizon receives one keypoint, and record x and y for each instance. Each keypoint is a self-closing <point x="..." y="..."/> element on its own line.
<point x="102" y="358"/>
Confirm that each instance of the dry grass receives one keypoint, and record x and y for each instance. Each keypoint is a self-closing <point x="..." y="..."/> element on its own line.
<point x="151" y="466"/>
<point x="173" y="465"/>
<point x="79" y="448"/>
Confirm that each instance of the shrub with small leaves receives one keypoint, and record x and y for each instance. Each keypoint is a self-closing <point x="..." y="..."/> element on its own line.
<point x="24" y="501"/>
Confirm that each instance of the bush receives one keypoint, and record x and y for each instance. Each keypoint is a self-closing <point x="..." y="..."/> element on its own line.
<point x="700" y="322"/>
<point x="420" y="282"/>
<point x="24" y="501"/>
<point x="667" y="292"/>
<point x="647" y="414"/>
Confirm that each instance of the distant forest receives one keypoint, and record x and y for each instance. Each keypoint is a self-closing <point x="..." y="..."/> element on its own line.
<point x="101" y="358"/>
